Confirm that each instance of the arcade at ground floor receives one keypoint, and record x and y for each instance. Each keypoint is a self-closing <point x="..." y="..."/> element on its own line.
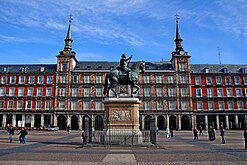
<point x="77" y="120"/>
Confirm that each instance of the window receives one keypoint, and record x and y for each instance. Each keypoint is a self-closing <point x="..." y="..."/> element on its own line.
<point x="20" y="91"/>
<point x="99" y="79"/>
<point x="12" y="80"/>
<point x="21" y="79"/>
<point x="209" y="92"/>
<point x="31" y="80"/>
<point x="245" y="91"/>
<point x="38" y="104"/>
<point x="159" y="105"/>
<point x="218" y="80"/>
<point x="40" y="79"/>
<point x="3" y="80"/>
<point x="10" y="104"/>
<point x="198" y="80"/>
<point x="98" y="105"/>
<point x="1" y="104"/>
<point x="209" y="80"/>
<point x="182" y="79"/>
<point x="99" y="92"/>
<point x="42" y="69"/>
<point x="61" y="104"/>
<point x="48" y="91"/>
<point x="171" y="92"/>
<point x="86" y="79"/>
<point x="49" y="80"/>
<point x="11" y="91"/>
<point x="219" y="92"/>
<point x="158" y="79"/>
<point x="198" y="92"/>
<point x="86" y="105"/>
<point x="170" y="80"/>
<point x="184" y="92"/>
<point x="74" y="92"/>
<point x="39" y="91"/>
<point x="147" y="91"/>
<point x="30" y="92"/>
<point x="237" y="80"/>
<point x="230" y="105"/>
<point x="172" y="105"/>
<point x="19" y="104"/>
<point x="63" y="79"/>
<point x="240" y="105"/>
<point x="182" y="67"/>
<point x="47" y="104"/>
<point x="184" y="105"/>
<point x="62" y="91"/>
<point x="228" y="80"/>
<point x="221" y="105"/>
<point x="159" y="92"/>
<point x="147" y="79"/>
<point x="147" y="105"/>
<point x="6" y="69"/>
<point x="210" y="105"/>
<point x="64" y="67"/>
<point x="2" y="91"/>
<point x="86" y="92"/>
<point x="74" y="104"/>
<point x="28" y="104"/>
<point x="23" y="69"/>
<point x="75" y="79"/>
<point x="245" y="80"/>
<point x="238" y="92"/>
<point x="229" y="92"/>
<point x="199" y="105"/>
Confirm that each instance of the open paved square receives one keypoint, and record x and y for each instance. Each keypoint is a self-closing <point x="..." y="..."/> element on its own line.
<point x="62" y="148"/>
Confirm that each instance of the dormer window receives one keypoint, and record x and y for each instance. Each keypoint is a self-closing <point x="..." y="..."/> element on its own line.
<point x="242" y="70"/>
<point x="42" y="69"/>
<point x="24" y="69"/>
<point x="206" y="70"/>
<point x="64" y="67"/>
<point x="224" y="70"/>
<point x="88" y="67"/>
<point x="6" y="69"/>
<point x="100" y="67"/>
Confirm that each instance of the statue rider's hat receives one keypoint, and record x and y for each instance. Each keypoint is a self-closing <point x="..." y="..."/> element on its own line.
<point x="123" y="55"/>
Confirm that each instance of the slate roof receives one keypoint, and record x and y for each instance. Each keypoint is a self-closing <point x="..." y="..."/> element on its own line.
<point x="217" y="68"/>
<point x="30" y="68"/>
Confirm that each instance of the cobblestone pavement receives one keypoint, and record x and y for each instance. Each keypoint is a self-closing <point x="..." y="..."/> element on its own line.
<point x="45" y="148"/>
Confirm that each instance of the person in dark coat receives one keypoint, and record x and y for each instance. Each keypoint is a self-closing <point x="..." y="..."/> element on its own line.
<point x="222" y="134"/>
<point x="171" y="131"/>
<point x="22" y="135"/>
<point x="68" y="129"/>
<point x="245" y="138"/>
<point x="11" y="133"/>
<point x="211" y="133"/>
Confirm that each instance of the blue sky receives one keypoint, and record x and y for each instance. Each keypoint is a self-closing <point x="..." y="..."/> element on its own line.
<point x="33" y="31"/>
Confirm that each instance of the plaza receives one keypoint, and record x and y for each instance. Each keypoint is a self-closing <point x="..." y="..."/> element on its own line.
<point x="61" y="148"/>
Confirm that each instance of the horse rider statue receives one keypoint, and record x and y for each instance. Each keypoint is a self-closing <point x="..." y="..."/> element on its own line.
<point x="124" y="66"/>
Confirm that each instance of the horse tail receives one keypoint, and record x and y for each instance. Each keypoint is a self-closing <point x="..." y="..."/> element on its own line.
<point x="106" y="84"/>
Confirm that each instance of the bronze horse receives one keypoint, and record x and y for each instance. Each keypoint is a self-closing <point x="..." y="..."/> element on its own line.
<point x="114" y="77"/>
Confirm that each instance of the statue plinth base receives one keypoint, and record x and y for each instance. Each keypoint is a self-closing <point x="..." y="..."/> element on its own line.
<point x="122" y="121"/>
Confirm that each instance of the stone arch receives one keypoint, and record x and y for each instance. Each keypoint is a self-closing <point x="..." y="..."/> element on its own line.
<point x="161" y="122"/>
<point x="74" y="122"/>
<point x="185" y="122"/>
<point x="147" y="122"/>
<point x="98" y="123"/>
<point x="61" y="122"/>
<point x="173" y="121"/>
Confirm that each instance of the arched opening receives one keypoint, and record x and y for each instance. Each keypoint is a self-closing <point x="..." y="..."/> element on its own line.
<point x="1" y="120"/>
<point x="241" y="123"/>
<point x="87" y="127"/>
<point x="161" y="122"/>
<point x="61" y="122"/>
<point x="8" y="119"/>
<point x="211" y="121"/>
<point x="37" y="120"/>
<point x="200" y="121"/>
<point x="99" y="125"/>
<point x="74" y="122"/>
<point x="185" y="123"/>
<point x="147" y="122"/>
<point x="173" y="121"/>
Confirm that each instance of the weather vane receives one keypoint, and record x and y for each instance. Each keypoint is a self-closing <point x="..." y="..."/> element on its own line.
<point x="70" y="17"/>
<point x="177" y="18"/>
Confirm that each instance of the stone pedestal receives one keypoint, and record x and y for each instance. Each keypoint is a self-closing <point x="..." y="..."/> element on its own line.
<point x="122" y="121"/>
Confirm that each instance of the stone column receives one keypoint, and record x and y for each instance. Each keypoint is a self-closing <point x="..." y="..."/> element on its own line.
<point x="4" y="120"/>
<point x="55" y="120"/>
<point x="143" y="122"/>
<point x="80" y="122"/>
<point x="179" y="122"/>
<point x="193" y="121"/>
<point x="14" y="120"/>
<point x="217" y="122"/>
<point x="42" y="120"/>
<point x="68" y="120"/>
<point x="245" y="121"/>
<point x="227" y="122"/>
<point x="236" y="122"/>
<point x="23" y="120"/>
<point x="167" y="122"/>
<point x="32" y="120"/>
<point x="92" y="117"/>
<point x="206" y="122"/>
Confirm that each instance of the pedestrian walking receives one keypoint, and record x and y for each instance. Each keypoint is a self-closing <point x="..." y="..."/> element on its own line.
<point x="83" y="138"/>
<point x="222" y="134"/>
<point x="245" y="138"/>
<point x="195" y="132"/>
<point x="68" y="129"/>
<point x="171" y="131"/>
<point x="211" y="133"/>
<point x="157" y="130"/>
<point x="11" y="133"/>
<point x="23" y="135"/>
<point x="167" y="132"/>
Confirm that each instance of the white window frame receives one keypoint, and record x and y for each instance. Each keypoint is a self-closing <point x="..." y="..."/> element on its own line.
<point x="48" y="104"/>
<point x="1" y="104"/>
<point x="199" y="105"/>
<point x="39" y="91"/>
<point x="209" y="81"/>
<point x="184" y="105"/>
<point x="11" y="91"/>
<point x="20" y="91"/>
<point x="228" y="80"/>
<point x="170" y="79"/>
<point x="19" y="104"/>
<point x="48" y="91"/>
<point x="229" y="92"/>
<point x="245" y="80"/>
<point x="87" y="79"/>
<point x="10" y="104"/>
<point x="220" y="92"/>
<point x="30" y="91"/>
<point x="21" y="79"/>
<point x="2" y="91"/>
<point x="238" y="92"/>
<point x="63" y="79"/>
<point x="158" y="79"/>
<point x="31" y="80"/>
<point x="198" y="92"/>
<point x="99" y="92"/>
<point x="182" y="66"/>
<point x="183" y="79"/>
<point x="184" y="92"/>
<point x="210" y="105"/>
<point x="147" y="79"/>
<point x="28" y="104"/>
<point x="99" y="79"/>
<point x="98" y="105"/>
<point x="198" y="80"/>
<point x="230" y="105"/>
<point x="3" y="79"/>
<point x="171" y="92"/>
<point x="240" y="105"/>
<point x="49" y="79"/>
<point x="40" y="80"/>
<point x="61" y="104"/>
<point x="210" y="92"/>
<point x="172" y="105"/>
<point x="62" y="92"/>
<point x="218" y="80"/>
<point x="87" y="92"/>
<point x="160" y="105"/>
<point x="12" y="79"/>
<point x="75" y="92"/>
<point x="147" y="91"/>
<point x="221" y="105"/>
<point x="38" y="104"/>
<point x="86" y="105"/>
<point x="236" y="80"/>
<point x="159" y="91"/>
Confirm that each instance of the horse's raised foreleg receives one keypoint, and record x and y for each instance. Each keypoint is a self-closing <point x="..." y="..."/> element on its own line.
<point x="137" y="89"/>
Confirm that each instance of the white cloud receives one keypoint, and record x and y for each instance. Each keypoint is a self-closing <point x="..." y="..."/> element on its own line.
<point x="4" y="38"/>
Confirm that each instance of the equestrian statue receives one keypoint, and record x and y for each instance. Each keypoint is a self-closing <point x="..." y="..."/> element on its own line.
<point x="124" y="75"/>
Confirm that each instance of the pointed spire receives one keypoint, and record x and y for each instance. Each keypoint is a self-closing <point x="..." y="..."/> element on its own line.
<point x="178" y="39"/>
<point x="68" y="40"/>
